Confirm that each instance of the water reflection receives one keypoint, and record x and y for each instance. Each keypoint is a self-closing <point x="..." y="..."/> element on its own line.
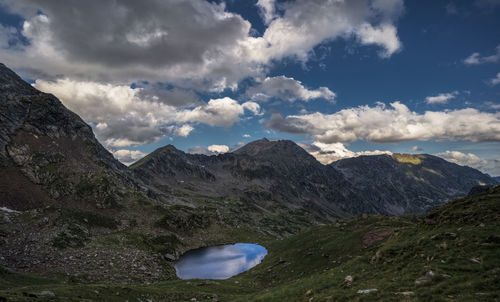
<point x="219" y="262"/>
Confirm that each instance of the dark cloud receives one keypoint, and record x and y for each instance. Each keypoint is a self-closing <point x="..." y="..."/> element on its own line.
<point x="176" y="97"/>
<point x="289" y="124"/>
<point x="128" y="32"/>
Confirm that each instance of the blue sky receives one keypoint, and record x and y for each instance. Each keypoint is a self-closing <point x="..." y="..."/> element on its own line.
<point x="326" y="77"/>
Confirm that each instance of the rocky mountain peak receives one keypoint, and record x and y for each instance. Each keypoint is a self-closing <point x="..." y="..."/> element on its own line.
<point x="48" y="149"/>
<point x="11" y="83"/>
<point x="266" y="148"/>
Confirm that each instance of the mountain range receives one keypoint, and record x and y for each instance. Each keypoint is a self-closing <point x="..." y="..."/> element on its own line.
<point x="269" y="173"/>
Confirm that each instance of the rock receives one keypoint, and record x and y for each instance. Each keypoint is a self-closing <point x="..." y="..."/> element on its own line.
<point x="309" y="293"/>
<point x="475" y="260"/>
<point x="348" y="279"/>
<point x="367" y="291"/>
<point x="426" y="278"/>
<point x="407" y="293"/>
<point x="443" y="245"/>
<point x="169" y="257"/>
<point x="46" y="293"/>
<point x="375" y="236"/>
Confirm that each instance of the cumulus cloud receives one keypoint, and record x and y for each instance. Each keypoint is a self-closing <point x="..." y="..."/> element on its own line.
<point x="495" y="80"/>
<point x="247" y="135"/>
<point x="306" y="24"/>
<point x="328" y="153"/>
<point x="491" y="166"/>
<point x="218" y="148"/>
<point x="395" y="123"/>
<point x="267" y="10"/>
<point x="384" y="35"/>
<point x="171" y="96"/>
<point x="222" y="112"/>
<point x="441" y="98"/>
<point x="288" y="89"/>
<point x="121" y="117"/>
<point x="210" y="150"/>
<point x="476" y="58"/>
<point x="128" y="157"/>
<point x="192" y="43"/>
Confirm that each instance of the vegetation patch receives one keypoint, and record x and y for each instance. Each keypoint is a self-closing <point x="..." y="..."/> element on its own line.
<point x="409" y="158"/>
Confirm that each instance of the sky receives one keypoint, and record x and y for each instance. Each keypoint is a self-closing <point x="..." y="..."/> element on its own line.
<point x="340" y="78"/>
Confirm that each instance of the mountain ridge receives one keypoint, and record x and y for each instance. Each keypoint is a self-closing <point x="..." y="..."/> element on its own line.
<point x="422" y="183"/>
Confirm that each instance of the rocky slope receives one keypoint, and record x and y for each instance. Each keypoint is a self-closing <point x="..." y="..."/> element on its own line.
<point x="404" y="184"/>
<point x="48" y="154"/>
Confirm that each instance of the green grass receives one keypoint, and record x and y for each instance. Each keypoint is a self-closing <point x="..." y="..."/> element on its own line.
<point x="459" y="242"/>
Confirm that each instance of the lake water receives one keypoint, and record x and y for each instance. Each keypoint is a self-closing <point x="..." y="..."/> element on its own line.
<point x="219" y="262"/>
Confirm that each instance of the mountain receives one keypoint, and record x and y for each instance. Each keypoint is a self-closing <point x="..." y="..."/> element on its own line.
<point x="404" y="184"/>
<point x="497" y="179"/>
<point x="264" y="181"/>
<point x="48" y="154"/>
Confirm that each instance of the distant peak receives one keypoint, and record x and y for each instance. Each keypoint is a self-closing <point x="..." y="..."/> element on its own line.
<point x="264" y="144"/>
<point x="167" y="148"/>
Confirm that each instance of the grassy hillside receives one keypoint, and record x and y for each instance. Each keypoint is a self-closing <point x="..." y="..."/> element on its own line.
<point x="450" y="254"/>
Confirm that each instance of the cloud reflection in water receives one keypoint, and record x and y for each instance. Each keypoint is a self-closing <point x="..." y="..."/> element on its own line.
<point x="219" y="262"/>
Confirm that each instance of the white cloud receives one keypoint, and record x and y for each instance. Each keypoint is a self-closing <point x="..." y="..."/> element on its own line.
<point x="306" y="24"/>
<point x="491" y="166"/>
<point x="247" y="135"/>
<point x="392" y="124"/>
<point x="122" y="117"/>
<point x="267" y="10"/>
<point x="384" y="35"/>
<point x="210" y="150"/>
<point x="184" y="130"/>
<point x="288" y="89"/>
<point x="128" y="157"/>
<point x="328" y="153"/>
<point x="441" y="98"/>
<point x="495" y="80"/>
<point x="475" y="58"/>
<point x="218" y="148"/>
<point x="222" y="112"/>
